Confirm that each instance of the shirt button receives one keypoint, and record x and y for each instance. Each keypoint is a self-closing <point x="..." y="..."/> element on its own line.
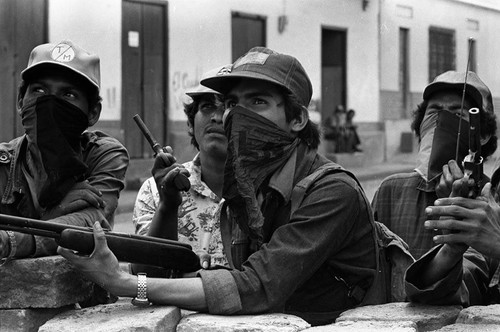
<point x="4" y="157"/>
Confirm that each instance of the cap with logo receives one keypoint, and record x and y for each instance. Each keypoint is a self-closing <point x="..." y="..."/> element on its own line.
<point x="201" y="89"/>
<point x="68" y="55"/>
<point x="453" y="80"/>
<point x="265" y="64"/>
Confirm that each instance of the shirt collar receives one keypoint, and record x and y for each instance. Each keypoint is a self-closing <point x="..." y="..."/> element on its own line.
<point x="197" y="185"/>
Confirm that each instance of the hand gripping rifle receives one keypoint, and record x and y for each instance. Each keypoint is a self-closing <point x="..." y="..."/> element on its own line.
<point x="181" y="182"/>
<point x="473" y="162"/>
<point x="131" y="248"/>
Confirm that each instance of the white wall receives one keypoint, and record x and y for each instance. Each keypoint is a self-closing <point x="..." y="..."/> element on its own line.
<point x="95" y="25"/>
<point x="418" y="16"/>
<point x="200" y="39"/>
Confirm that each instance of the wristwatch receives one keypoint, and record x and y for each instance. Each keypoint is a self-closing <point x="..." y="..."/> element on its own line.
<point x="141" y="300"/>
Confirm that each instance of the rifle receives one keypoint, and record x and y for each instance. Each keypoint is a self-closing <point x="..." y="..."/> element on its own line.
<point x="181" y="182"/>
<point x="131" y="248"/>
<point x="473" y="162"/>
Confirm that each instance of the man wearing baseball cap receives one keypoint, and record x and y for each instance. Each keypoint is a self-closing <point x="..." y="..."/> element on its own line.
<point x="401" y="199"/>
<point x="197" y="223"/>
<point x="57" y="170"/>
<point x="298" y="240"/>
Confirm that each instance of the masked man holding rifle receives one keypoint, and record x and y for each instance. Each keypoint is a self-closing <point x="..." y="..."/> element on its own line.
<point x="315" y="259"/>
<point x="401" y="200"/>
<point x="57" y="170"/>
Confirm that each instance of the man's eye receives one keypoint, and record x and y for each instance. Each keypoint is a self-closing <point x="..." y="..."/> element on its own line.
<point x="208" y="107"/>
<point x="259" y="101"/>
<point x="230" y="103"/>
<point x="38" y="90"/>
<point x="71" y="95"/>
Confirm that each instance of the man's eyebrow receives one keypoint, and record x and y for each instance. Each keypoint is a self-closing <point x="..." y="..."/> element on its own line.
<point x="252" y="94"/>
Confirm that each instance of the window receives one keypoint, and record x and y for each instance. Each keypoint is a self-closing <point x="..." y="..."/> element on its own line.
<point x="441" y="51"/>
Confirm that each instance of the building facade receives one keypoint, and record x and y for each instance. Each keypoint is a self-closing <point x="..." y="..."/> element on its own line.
<point x="373" y="56"/>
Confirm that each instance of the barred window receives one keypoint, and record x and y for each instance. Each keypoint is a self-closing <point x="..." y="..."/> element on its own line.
<point x="441" y="51"/>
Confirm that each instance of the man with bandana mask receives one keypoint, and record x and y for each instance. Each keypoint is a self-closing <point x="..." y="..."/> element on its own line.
<point x="314" y="260"/>
<point x="401" y="199"/>
<point x="57" y="170"/>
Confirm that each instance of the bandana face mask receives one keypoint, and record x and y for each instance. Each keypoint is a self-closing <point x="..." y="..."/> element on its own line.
<point x="256" y="149"/>
<point x="53" y="127"/>
<point x="439" y="140"/>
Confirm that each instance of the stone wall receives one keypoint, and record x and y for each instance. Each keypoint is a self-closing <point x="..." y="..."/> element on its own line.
<point x="45" y="294"/>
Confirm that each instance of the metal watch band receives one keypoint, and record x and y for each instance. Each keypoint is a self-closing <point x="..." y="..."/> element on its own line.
<point x="142" y="291"/>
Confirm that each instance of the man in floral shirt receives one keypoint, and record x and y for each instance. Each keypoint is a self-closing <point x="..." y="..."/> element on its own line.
<point x="198" y="223"/>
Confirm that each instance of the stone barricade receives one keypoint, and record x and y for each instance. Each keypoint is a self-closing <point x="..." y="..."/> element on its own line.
<point x="43" y="294"/>
<point x="34" y="290"/>
<point x="392" y="317"/>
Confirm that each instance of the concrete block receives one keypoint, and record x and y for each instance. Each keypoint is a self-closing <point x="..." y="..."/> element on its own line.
<point x="470" y="328"/>
<point x="427" y="318"/>
<point x="489" y="314"/>
<point x="46" y="282"/>
<point x="366" y="326"/>
<point x="119" y="316"/>
<point x="243" y="323"/>
<point x="26" y="320"/>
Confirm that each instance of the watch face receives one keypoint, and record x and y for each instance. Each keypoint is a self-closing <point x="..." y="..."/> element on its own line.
<point x="141" y="302"/>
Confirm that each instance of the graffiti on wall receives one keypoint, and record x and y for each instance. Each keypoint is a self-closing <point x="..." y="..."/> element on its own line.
<point x="181" y="81"/>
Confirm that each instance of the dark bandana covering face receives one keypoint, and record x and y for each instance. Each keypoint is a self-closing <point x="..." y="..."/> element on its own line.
<point x="439" y="140"/>
<point x="54" y="127"/>
<point x="256" y="149"/>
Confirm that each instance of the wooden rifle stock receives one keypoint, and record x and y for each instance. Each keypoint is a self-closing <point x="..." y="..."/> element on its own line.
<point x="473" y="162"/>
<point x="131" y="248"/>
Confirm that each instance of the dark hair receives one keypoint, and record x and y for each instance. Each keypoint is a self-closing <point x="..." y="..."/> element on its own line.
<point x="190" y="109"/>
<point x="293" y="109"/>
<point x="488" y="127"/>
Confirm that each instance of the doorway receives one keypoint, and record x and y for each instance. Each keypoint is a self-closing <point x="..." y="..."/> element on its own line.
<point x="23" y="25"/>
<point x="144" y="73"/>
<point x="333" y="71"/>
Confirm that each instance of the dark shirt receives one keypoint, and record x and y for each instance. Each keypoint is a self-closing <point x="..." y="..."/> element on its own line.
<point x="107" y="161"/>
<point x="312" y="258"/>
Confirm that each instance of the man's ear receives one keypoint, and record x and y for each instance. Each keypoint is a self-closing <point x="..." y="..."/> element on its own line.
<point x="485" y="140"/>
<point x="94" y="114"/>
<point x="300" y="122"/>
<point x="19" y="101"/>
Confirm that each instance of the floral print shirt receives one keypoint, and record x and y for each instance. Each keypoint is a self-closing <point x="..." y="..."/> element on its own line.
<point x="199" y="214"/>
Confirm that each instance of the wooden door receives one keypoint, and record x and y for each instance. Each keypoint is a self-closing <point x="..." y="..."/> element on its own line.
<point x="23" y="25"/>
<point x="144" y="72"/>
<point x="247" y="31"/>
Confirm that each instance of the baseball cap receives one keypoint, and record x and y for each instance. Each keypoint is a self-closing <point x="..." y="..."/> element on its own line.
<point x="68" y="55"/>
<point x="201" y="89"/>
<point x="475" y="89"/>
<point x="262" y="63"/>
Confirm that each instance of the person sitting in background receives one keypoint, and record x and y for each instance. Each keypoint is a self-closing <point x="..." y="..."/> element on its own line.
<point x="198" y="223"/>
<point x="401" y="199"/>
<point x="57" y="170"/>
<point x="352" y="129"/>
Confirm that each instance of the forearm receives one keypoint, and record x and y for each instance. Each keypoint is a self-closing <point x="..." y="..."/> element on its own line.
<point x="164" y="223"/>
<point x="186" y="293"/>
<point x="441" y="265"/>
